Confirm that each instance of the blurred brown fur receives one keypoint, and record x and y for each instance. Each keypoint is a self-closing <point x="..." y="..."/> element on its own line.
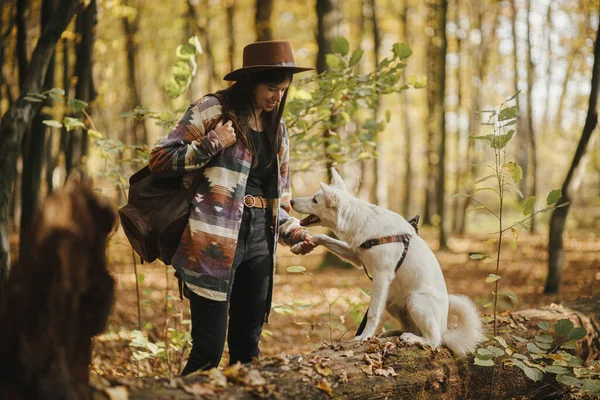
<point x="58" y="296"/>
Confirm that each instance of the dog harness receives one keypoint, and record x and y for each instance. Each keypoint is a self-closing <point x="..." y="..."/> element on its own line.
<point x="404" y="238"/>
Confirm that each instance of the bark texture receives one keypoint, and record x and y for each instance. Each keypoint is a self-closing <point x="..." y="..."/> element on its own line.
<point x="343" y="371"/>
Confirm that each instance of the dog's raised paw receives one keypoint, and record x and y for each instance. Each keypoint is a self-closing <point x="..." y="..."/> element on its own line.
<point x="318" y="238"/>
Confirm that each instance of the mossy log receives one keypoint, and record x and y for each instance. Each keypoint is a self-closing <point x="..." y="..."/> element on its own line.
<point x="377" y="369"/>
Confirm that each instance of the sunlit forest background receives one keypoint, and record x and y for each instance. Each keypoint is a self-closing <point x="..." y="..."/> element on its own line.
<point x="405" y="146"/>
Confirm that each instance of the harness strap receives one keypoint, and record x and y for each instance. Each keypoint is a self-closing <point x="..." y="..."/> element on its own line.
<point x="405" y="238"/>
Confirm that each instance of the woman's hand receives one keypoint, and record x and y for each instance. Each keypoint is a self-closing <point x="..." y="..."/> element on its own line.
<point x="225" y="133"/>
<point x="305" y="246"/>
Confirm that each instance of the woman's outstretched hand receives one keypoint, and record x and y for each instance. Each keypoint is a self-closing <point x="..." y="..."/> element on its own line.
<point x="305" y="246"/>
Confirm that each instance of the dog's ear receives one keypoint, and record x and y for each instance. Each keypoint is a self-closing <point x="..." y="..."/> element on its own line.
<point x="331" y="197"/>
<point x="337" y="181"/>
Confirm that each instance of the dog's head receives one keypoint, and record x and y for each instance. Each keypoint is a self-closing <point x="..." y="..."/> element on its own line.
<point x="322" y="208"/>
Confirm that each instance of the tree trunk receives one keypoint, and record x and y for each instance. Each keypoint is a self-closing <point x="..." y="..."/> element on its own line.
<point x="57" y="297"/>
<point x="21" y="47"/>
<point x="209" y="65"/>
<point x="130" y="29"/>
<point x="328" y="20"/>
<point x="262" y="24"/>
<point x="422" y="373"/>
<point x="532" y="150"/>
<point x="66" y="138"/>
<point x="380" y="193"/>
<point x="571" y="183"/>
<point x="18" y="118"/>
<point x="405" y="104"/>
<point x="84" y="90"/>
<point x="34" y="148"/>
<point x="459" y="170"/>
<point x="480" y="58"/>
<point x="436" y="124"/>
<point x="230" y="34"/>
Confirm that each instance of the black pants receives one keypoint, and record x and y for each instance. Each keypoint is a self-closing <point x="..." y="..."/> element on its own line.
<point x="251" y="273"/>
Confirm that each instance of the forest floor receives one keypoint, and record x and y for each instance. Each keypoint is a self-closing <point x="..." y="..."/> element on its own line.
<point x="322" y="304"/>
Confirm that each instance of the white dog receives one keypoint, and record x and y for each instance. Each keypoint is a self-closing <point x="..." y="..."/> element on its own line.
<point x="415" y="293"/>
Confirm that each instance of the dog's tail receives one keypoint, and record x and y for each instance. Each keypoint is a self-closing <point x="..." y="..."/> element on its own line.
<point x="465" y="331"/>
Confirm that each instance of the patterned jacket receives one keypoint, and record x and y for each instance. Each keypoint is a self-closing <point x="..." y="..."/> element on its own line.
<point x="206" y="251"/>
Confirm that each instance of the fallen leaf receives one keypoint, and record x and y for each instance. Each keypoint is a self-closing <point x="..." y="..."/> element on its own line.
<point x="197" y="389"/>
<point x="234" y="371"/>
<point x="381" y="372"/>
<point x="254" y="378"/>
<point x="117" y="393"/>
<point x="368" y="369"/>
<point x="344" y="377"/>
<point x="323" y="369"/>
<point x="324" y="386"/>
<point x="348" y="353"/>
<point x="217" y="378"/>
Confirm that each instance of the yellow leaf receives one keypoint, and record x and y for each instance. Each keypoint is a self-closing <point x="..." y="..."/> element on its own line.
<point x="94" y="134"/>
<point x="323" y="369"/>
<point x="325" y="386"/>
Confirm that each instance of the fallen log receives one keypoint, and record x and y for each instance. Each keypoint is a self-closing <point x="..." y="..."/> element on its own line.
<point x="378" y="369"/>
<point x="58" y="295"/>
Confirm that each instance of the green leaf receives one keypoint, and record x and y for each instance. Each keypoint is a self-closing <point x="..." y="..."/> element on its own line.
<point x="591" y="385"/>
<point x="556" y="369"/>
<point x="492" y="278"/>
<point x="333" y="61"/>
<point x="515" y="170"/>
<point x="500" y="141"/>
<point x="545" y="346"/>
<point x="460" y="195"/>
<point x="533" y="348"/>
<point x="340" y="45"/>
<point x="569" y="380"/>
<point x="52" y="123"/>
<point x="528" y="205"/>
<point x="185" y="51"/>
<point x="294" y="269"/>
<point x="182" y="70"/>
<point x="544" y="325"/>
<point x="496" y="351"/>
<point x="545" y="338"/>
<point x="477" y="256"/>
<point x="56" y="91"/>
<point x="577" y="333"/>
<point x="553" y="196"/>
<point x="32" y="99"/>
<point x="72" y="123"/>
<point x="569" y="345"/>
<point x="77" y="105"/>
<point x="563" y="327"/>
<point x="483" y="363"/>
<point x="94" y="134"/>
<point x="484" y="354"/>
<point x="520" y="356"/>
<point x="194" y="41"/>
<point x="402" y="50"/>
<point x="507" y="113"/>
<point x="356" y="57"/>
<point x="485" y="178"/>
<point x="174" y="89"/>
<point x="534" y="374"/>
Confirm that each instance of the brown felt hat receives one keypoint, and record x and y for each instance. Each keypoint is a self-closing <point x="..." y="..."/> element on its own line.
<point x="261" y="56"/>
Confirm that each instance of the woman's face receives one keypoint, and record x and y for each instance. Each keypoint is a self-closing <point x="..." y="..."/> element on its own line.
<point x="267" y="95"/>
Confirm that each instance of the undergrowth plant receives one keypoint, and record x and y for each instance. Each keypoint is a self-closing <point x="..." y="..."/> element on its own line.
<point x="546" y="353"/>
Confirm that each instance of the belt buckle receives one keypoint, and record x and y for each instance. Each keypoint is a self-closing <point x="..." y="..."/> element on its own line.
<point x="247" y="199"/>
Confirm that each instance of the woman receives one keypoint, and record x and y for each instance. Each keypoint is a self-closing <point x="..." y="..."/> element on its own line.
<point x="239" y="143"/>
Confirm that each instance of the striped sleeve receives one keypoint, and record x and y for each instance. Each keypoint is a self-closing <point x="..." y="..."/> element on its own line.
<point x="290" y="231"/>
<point x="189" y="146"/>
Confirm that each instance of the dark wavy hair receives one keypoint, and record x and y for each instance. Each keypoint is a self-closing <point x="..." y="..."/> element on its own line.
<point x="238" y="98"/>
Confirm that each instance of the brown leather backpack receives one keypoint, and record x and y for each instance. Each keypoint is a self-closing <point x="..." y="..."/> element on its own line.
<point x="156" y="214"/>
